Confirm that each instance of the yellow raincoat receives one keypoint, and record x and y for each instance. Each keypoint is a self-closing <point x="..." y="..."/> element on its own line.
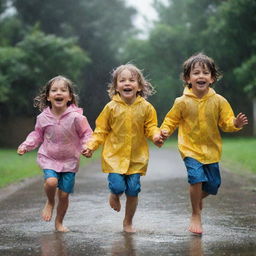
<point x="199" y="121"/>
<point x="123" y="129"/>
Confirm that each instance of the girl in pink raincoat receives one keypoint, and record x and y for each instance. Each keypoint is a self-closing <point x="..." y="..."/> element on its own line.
<point x="61" y="130"/>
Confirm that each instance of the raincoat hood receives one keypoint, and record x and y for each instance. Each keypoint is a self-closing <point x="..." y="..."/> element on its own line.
<point x="188" y="92"/>
<point x="72" y="108"/>
<point x="118" y="99"/>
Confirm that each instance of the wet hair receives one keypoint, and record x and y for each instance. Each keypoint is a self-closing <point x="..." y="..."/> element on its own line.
<point x="205" y="62"/>
<point x="41" y="101"/>
<point x="146" y="87"/>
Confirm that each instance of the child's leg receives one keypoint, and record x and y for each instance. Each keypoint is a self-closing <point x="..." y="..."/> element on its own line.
<point x="66" y="186"/>
<point x="204" y="195"/>
<point x="61" y="211"/>
<point x="196" y="203"/>
<point x="114" y="202"/>
<point x="131" y="205"/>
<point x="116" y="184"/>
<point x="132" y="191"/>
<point x="50" y="186"/>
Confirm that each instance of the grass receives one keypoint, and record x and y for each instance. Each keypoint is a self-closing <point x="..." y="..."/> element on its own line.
<point x="238" y="154"/>
<point x="14" y="168"/>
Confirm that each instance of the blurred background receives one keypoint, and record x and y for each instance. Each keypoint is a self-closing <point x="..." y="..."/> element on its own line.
<point x="86" y="39"/>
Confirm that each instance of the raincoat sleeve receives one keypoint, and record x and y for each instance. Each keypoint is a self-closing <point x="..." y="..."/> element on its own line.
<point x="227" y="117"/>
<point x="172" y="119"/>
<point x="83" y="129"/>
<point x="101" y="130"/>
<point x="34" y="139"/>
<point x="151" y="128"/>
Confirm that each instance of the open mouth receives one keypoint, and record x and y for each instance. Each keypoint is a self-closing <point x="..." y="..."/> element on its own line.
<point x="127" y="90"/>
<point x="58" y="99"/>
<point x="201" y="82"/>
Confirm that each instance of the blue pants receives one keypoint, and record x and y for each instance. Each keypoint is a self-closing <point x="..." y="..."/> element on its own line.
<point x="120" y="183"/>
<point x="66" y="180"/>
<point x="208" y="174"/>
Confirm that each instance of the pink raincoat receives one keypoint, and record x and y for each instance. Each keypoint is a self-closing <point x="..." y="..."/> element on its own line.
<point x="61" y="139"/>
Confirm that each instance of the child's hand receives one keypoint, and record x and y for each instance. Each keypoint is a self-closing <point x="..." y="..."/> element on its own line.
<point x="164" y="134"/>
<point x="240" y="120"/>
<point x="158" y="140"/>
<point x="87" y="152"/>
<point x="21" y="151"/>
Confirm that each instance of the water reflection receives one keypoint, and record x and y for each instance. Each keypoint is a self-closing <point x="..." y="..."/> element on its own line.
<point x="53" y="245"/>
<point x="195" y="246"/>
<point x="124" y="246"/>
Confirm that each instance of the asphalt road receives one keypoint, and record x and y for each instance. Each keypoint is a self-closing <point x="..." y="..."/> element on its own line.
<point x="161" y="220"/>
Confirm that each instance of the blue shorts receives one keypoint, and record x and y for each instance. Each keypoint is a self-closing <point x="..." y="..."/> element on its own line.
<point x="66" y="180"/>
<point x="119" y="183"/>
<point x="208" y="174"/>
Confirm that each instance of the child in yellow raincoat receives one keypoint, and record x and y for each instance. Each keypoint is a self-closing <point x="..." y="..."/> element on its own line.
<point x="198" y="114"/>
<point x="123" y="127"/>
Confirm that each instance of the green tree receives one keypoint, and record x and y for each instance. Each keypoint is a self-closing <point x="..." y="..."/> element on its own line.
<point x="31" y="63"/>
<point x="246" y="75"/>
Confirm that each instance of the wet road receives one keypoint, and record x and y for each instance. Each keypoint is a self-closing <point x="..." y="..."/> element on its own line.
<point x="161" y="220"/>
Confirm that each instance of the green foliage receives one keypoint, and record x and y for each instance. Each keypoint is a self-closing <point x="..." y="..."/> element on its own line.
<point x="48" y="56"/>
<point x="11" y="67"/>
<point x="246" y="74"/>
<point x="11" y="31"/>
<point x="32" y="62"/>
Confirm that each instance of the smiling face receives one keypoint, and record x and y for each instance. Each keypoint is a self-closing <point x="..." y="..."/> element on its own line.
<point x="127" y="86"/>
<point x="59" y="96"/>
<point x="200" y="79"/>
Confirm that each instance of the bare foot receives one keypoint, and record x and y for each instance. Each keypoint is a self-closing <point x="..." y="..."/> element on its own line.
<point x="195" y="225"/>
<point x="60" y="228"/>
<point x="129" y="229"/>
<point x="114" y="202"/>
<point x="47" y="211"/>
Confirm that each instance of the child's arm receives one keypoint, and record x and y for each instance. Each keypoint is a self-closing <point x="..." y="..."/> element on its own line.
<point x="171" y="120"/>
<point x="240" y="120"/>
<point x="33" y="140"/>
<point x="100" y="133"/>
<point x="227" y="121"/>
<point x="83" y="129"/>
<point x="151" y="130"/>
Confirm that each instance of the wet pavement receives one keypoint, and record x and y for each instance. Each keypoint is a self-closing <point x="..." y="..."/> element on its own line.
<point x="161" y="220"/>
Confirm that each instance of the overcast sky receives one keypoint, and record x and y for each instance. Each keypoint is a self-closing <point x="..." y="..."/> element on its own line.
<point x="145" y="10"/>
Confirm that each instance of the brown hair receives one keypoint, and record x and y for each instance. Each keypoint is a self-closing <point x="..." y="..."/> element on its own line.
<point x="203" y="61"/>
<point x="41" y="101"/>
<point x="146" y="88"/>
